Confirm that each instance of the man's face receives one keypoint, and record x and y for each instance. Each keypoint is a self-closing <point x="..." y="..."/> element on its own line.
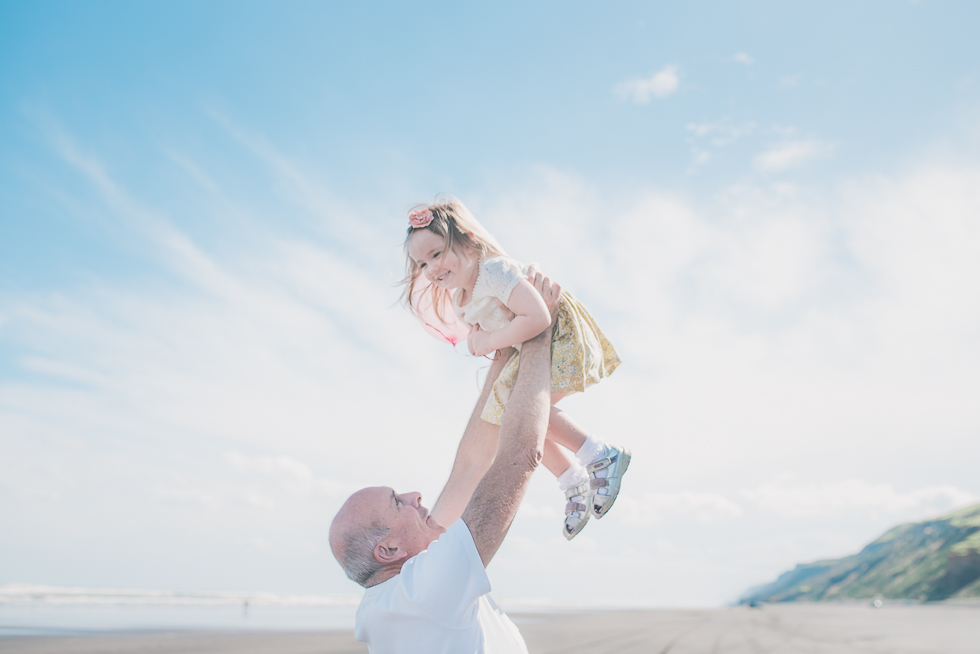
<point x="410" y="522"/>
<point x="410" y="526"/>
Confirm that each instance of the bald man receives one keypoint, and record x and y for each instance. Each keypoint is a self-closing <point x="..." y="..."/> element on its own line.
<point x="427" y="587"/>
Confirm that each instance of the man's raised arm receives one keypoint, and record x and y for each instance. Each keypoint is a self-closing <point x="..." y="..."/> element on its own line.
<point x="476" y="451"/>
<point x="498" y="496"/>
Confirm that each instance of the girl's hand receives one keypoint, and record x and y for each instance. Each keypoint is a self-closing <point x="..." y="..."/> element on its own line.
<point x="479" y="342"/>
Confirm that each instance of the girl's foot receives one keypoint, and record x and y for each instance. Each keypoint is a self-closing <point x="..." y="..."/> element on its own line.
<point x="606" y="475"/>
<point x="577" y="510"/>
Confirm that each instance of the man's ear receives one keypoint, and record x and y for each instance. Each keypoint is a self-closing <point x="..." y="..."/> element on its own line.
<point x="387" y="552"/>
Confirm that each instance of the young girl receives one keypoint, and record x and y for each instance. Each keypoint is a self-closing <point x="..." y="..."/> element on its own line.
<point x="456" y="268"/>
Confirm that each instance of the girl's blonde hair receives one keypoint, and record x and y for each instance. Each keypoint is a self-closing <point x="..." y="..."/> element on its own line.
<point x="461" y="232"/>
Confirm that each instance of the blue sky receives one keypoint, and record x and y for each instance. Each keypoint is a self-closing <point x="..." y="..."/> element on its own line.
<point x="770" y="207"/>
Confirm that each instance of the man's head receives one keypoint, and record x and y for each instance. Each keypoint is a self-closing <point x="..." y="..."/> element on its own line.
<point x="377" y="530"/>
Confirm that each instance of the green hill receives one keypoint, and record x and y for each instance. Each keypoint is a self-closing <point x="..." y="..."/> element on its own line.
<point x="933" y="560"/>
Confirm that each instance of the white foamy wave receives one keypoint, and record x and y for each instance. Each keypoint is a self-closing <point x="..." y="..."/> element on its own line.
<point x="37" y="595"/>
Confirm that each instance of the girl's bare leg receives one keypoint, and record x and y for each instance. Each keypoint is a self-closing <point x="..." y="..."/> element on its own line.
<point x="562" y="429"/>
<point x="564" y="438"/>
<point x="556" y="458"/>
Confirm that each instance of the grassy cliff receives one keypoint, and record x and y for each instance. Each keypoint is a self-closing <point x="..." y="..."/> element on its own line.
<point x="933" y="560"/>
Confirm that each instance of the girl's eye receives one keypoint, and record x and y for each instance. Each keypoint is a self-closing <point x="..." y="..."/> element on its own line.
<point x="438" y="254"/>
<point x="421" y="266"/>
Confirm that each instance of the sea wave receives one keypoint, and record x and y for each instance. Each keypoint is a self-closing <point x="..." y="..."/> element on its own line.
<point x="40" y="595"/>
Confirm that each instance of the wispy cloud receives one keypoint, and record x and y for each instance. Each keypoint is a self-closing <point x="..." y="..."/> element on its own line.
<point x="857" y="497"/>
<point x="225" y="401"/>
<point x="707" y="138"/>
<point x="722" y="132"/>
<point x="790" y="81"/>
<point x="659" y="85"/>
<point x="792" y="154"/>
<point x="680" y="506"/>
<point x="224" y="383"/>
<point x="292" y="475"/>
<point x="744" y="58"/>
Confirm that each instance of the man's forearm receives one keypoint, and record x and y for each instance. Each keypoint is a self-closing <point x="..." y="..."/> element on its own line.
<point x="498" y="495"/>
<point x="473" y="458"/>
<point x="475" y="454"/>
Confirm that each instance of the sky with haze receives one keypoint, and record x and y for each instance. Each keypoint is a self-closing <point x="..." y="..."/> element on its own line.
<point x="772" y="209"/>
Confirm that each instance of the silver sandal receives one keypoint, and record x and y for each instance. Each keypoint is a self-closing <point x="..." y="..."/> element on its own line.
<point x="615" y="465"/>
<point x="576" y="513"/>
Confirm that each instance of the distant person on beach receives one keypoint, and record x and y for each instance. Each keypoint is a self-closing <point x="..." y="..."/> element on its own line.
<point x="461" y="285"/>
<point x="427" y="586"/>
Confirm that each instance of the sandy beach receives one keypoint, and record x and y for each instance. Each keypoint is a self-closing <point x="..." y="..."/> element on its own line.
<point x="810" y="629"/>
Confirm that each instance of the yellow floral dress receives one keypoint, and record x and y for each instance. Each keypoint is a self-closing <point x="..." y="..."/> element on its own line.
<point x="580" y="354"/>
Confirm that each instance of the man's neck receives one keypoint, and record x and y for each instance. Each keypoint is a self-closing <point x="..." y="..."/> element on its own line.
<point x="384" y="575"/>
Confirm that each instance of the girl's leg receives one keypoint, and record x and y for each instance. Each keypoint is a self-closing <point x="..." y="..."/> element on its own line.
<point x="572" y="475"/>
<point x="562" y="429"/>
<point x="567" y="433"/>
<point x="573" y="481"/>
<point x="556" y="459"/>
<point x="564" y="432"/>
<point x="606" y="463"/>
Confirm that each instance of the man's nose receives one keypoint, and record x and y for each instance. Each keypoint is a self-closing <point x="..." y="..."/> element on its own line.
<point x="415" y="499"/>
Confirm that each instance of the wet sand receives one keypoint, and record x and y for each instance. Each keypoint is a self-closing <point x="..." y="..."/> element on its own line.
<point x="784" y="629"/>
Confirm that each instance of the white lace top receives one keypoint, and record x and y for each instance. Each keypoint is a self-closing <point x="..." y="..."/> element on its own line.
<point x="496" y="279"/>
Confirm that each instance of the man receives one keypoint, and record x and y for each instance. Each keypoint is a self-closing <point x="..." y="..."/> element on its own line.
<point x="427" y="588"/>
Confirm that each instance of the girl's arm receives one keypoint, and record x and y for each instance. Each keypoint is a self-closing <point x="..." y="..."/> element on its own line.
<point x="476" y="452"/>
<point x="531" y="317"/>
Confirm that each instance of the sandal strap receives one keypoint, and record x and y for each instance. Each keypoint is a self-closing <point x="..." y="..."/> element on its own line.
<point x="598" y="483"/>
<point x="575" y="506"/>
<point x="581" y="489"/>
<point x="595" y="466"/>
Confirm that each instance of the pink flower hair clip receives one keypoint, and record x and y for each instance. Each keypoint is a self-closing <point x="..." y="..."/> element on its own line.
<point x="420" y="218"/>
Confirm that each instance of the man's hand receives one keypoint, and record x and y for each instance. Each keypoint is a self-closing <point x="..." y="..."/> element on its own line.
<point x="550" y="292"/>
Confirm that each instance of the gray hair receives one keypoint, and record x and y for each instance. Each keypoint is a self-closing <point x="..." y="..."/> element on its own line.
<point x="358" y="557"/>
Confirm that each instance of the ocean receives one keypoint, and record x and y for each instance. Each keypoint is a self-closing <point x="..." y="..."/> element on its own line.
<point x="28" y="609"/>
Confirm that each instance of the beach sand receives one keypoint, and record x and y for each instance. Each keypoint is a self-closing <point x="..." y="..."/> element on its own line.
<point x="783" y="629"/>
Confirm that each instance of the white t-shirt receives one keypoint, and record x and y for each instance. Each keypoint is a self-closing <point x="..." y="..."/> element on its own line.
<point x="497" y="278"/>
<point x="438" y="604"/>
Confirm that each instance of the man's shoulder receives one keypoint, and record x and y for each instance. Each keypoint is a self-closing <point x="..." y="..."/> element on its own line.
<point x="454" y="547"/>
<point x="443" y="583"/>
<point x="451" y="544"/>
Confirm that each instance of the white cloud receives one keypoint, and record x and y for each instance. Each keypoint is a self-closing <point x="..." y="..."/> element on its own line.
<point x="790" y="81"/>
<point x="722" y="132"/>
<point x="855" y="496"/>
<point x="768" y="328"/>
<point x="209" y="501"/>
<point x="659" y="85"/>
<point x="680" y="506"/>
<point x="744" y="58"/>
<point x="294" y="476"/>
<point x="698" y="158"/>
<point x="708" y="138"/>
<point x="783" y="311"/>
<point x="792" y="154"/>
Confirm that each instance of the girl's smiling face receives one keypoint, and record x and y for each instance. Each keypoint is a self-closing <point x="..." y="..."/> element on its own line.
<point x="445" y="269"/>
